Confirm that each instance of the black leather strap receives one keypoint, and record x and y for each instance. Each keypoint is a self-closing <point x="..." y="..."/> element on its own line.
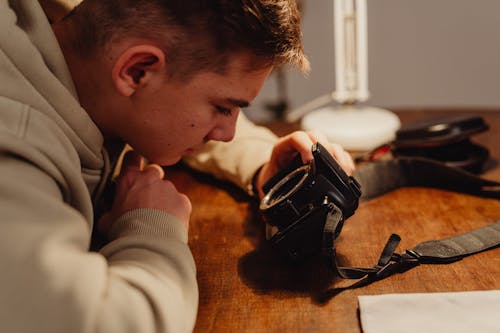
<point x="332" y="227"/>
<point x="383" y="176"/>
<point x="429" y="252"/>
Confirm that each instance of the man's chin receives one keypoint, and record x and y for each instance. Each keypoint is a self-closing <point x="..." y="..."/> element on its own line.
<point x="168" y="161"/>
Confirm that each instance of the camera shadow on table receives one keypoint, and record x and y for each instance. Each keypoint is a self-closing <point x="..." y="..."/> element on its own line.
<point x="266" y="271"/>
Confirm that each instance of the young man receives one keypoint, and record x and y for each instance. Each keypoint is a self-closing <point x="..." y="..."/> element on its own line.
<point x="169" y="79"/>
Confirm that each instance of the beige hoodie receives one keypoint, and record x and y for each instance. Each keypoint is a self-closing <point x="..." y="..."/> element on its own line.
<point x="52" y="163"/>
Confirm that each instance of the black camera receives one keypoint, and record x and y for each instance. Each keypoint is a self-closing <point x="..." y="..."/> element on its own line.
<point x="299" y="197"/>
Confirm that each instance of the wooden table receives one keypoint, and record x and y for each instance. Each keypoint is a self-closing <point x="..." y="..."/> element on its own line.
<point x="245" y="287"/>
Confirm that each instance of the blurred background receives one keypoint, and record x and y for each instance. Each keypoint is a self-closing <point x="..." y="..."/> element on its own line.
<point x="437" y="54"/>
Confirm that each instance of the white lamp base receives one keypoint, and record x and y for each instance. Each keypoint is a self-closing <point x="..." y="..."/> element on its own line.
<point x="356" y="128"/>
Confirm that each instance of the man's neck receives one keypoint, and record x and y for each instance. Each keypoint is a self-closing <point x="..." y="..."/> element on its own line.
<point x="55" y="10"/>
<point x="64" y="35"/>
<point x="86" y="73"/>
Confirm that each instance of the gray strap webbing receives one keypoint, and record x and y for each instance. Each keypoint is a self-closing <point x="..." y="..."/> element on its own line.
<point x="454" y="248"/>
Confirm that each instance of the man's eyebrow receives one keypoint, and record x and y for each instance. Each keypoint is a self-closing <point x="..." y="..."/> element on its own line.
<point x="238" y="102"/>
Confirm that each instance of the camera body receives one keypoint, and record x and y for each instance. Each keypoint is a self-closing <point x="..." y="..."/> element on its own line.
<point x="299" y="197"/>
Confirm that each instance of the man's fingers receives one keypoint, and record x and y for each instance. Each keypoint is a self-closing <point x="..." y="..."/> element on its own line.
<point x="301" y="142"/>
<point x="337" y="151"/>
<point x="155" y="168"/>
<point x="318" y="137"/>
<point x="343" y="158"/>
<point x="135" y="162"/>
<point x="132" y="161"/>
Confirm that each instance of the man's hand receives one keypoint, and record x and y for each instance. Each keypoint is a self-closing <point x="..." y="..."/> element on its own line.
<point x="295" y="143"/>
<point x="143" y="186"/>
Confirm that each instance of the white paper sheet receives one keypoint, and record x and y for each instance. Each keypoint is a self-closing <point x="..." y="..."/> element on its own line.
<point x="457" y="312"/>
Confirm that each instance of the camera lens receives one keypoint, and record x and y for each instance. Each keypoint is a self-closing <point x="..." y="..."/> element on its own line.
<point x="285" y="187"/>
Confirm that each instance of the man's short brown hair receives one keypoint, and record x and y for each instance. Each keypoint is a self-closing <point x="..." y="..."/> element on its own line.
<point x="196" y="34"/>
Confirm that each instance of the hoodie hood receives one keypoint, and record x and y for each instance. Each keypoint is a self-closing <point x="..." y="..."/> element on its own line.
<point x="38" y="76"/>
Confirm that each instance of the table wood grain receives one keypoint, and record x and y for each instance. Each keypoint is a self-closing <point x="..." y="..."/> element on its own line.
<point x="245" y="287"/>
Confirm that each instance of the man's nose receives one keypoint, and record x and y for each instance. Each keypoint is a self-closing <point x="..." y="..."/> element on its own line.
<point x="225" y="129"/>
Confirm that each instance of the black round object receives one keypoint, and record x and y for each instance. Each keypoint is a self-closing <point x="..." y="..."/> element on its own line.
<point x="439" y="131"/>
<point x="445" y="140"/>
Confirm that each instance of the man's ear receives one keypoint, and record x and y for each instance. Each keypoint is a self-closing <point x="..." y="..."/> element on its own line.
<point x="137" y="66"/>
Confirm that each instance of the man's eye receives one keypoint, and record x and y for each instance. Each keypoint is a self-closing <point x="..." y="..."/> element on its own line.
<point x="224" y="111"/>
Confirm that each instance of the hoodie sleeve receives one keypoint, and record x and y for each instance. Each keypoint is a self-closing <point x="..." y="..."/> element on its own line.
<point x="238" y="160"/>
<point x="144" y="280"/>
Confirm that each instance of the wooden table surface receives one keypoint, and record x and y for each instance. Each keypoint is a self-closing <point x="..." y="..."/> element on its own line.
<point x="245" y="287"/>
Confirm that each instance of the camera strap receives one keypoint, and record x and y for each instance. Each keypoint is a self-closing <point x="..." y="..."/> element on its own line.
<point x="383" y="176"/>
